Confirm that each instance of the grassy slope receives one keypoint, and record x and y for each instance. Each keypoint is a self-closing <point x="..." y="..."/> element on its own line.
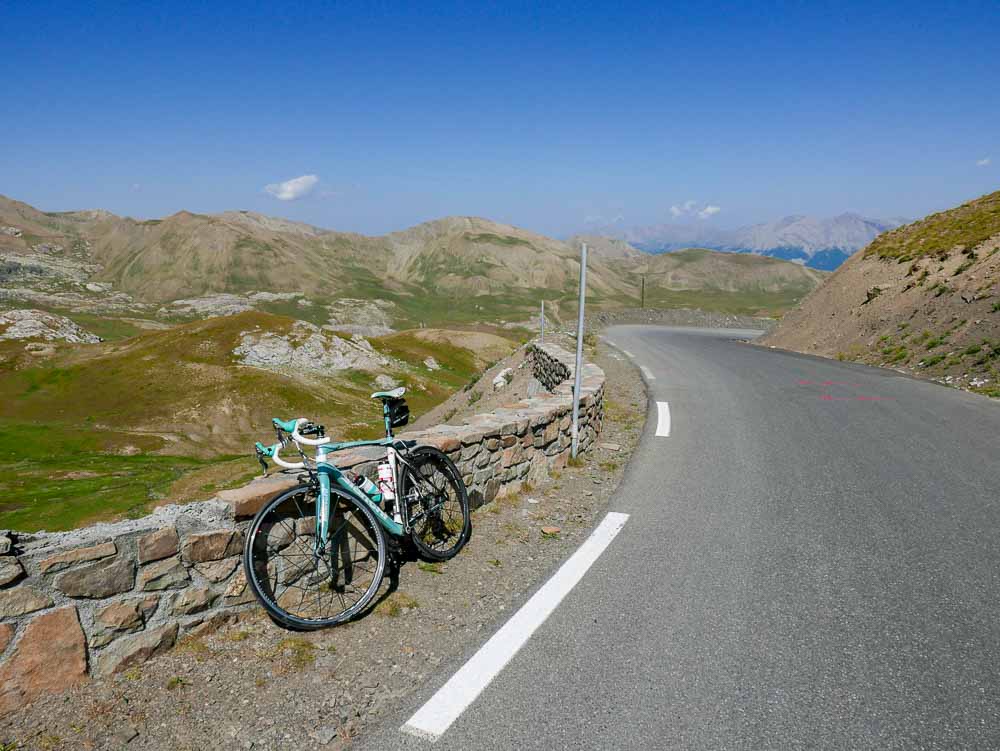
<point x="130" y="415"/>
<point x="725" y="282"/>
<point x="960" y="228"/>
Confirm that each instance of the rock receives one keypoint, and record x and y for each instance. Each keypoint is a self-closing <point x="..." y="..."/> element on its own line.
<point x="609" y="446"/>
<point x="323" y="735"/>
<point x="250" y="499"/>
<point x="120" y="616"/>
<point x="126" y="734"/>
<point x="10" y="570"/>
<point x="6" y="635"/>
<point x="365" y="317"/>
<point x="98" y="580"/>
<point x="135" y="650"/>
<point x="165" y="574"/>
<point x="385" y="382"/>
<point x="6" y="545"/>
<point x="36" y="324"/>
<point x="21" y="600"/>
<point x="216" y="571"/>
<point x="157" y="545"/>
<point x="51" y="656"/>
<point x="551" y="531"/>
<point x="431" y="364"/>
<point x="238" y="593"/>
<point x="77" y="555"/>
<point x="212" y="546"/>
<point x="192" y="600"/>
<point x="309" y="348"/>
<point x="212" y="624"/>
<point x="502" y="379"/>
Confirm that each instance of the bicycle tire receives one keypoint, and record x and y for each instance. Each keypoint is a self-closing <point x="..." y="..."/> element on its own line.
<point x="264" y="573"/>
<point x="451" y="516"/>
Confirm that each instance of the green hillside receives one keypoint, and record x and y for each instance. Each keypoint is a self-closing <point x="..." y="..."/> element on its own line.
<point x="96" y="431"/>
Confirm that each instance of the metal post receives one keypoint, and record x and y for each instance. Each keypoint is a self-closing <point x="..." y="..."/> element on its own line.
<point x="541" y="334"/>
<point x="579" y="353"/>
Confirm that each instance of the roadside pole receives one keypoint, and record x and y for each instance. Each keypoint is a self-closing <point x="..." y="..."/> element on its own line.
<point x="579" y="352"/>
<point x="541" y="334"/>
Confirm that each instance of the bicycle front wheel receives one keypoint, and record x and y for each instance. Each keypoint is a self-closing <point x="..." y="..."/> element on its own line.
<point x="437" y="502"/>
<point x="307" y="586"/>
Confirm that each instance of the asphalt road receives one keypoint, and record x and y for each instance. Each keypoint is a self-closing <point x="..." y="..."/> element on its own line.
<point x="812" y="560"/>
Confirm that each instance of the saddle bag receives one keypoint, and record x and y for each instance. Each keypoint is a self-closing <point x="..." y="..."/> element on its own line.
<point x="399" y="413"/>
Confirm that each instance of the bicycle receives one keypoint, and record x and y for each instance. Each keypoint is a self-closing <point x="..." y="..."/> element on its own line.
<point x="315" y="555"/>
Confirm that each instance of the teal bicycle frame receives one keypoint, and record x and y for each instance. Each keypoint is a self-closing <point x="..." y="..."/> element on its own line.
<point x="327" y="474"/>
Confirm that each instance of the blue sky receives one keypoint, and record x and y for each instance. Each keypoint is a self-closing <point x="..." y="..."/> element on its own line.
<point x="541" y="117"/>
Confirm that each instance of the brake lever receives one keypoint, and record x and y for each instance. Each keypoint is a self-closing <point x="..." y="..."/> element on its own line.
<point x="260" y="459"/>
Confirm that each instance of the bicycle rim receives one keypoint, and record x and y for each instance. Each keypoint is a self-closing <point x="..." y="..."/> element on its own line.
<point x="301" y="586"/>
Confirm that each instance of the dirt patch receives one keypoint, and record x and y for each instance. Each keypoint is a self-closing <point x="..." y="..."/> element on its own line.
<point x="254" y="685"/>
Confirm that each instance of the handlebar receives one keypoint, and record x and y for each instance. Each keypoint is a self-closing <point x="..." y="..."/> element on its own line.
<point x="271" y="452"/>
<point x="299" y="428"/>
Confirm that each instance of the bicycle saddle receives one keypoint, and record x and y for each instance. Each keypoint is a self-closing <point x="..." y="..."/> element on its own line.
<point x="394" y="394"/>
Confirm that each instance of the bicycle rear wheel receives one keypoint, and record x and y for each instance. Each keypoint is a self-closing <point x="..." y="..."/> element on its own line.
<point x="303" y="587"/>
<point x="438" y="503"/>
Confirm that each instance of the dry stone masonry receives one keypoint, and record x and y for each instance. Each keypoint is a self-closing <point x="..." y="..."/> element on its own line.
<point x="92" y="602"/>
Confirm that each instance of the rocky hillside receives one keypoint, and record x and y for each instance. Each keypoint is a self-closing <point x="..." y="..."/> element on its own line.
<point x="458" y="269"/>
<point x="924" y="298"/>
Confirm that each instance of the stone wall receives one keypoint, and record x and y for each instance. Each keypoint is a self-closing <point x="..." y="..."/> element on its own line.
<point x="92" y="602"/>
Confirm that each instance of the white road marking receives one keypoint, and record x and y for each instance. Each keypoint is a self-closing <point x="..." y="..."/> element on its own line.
<point x="663" y="419"/>
<point x="447" y="705"/>
<point x="629" y="354"/>
<point x="647" y="372"/>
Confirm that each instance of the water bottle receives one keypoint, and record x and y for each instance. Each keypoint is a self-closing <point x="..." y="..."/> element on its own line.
<point x="368" y="488"/>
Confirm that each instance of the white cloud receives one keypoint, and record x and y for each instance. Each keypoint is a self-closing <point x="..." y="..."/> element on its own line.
<point x="984" y="162"/>
<point x="689" y="208"/>
<point x="293" y="189"/>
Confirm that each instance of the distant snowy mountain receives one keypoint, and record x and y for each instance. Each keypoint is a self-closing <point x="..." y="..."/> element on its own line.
<point x="818" y="243"/>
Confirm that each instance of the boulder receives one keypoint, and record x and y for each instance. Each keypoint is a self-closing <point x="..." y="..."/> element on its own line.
<point x="166" y="574"/>
<point x="51" y="656"/>
<point x="98" y="580"/>
<point x="77" y="555"/>
<point x="6" y="635"/>
<point x="10" y="570"/>
<point x="212" y="546"/>
<point x="158" y="545"/>
<point x="21" y="600"/>
<point x="135" y="650"/>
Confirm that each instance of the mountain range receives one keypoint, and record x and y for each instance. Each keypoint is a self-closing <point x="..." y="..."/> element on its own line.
<point x="446" y="271"/>
<point x="817" y="243"/>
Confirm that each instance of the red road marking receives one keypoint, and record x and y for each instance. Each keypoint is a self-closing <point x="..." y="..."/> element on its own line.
<point x="832" y="398"/>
